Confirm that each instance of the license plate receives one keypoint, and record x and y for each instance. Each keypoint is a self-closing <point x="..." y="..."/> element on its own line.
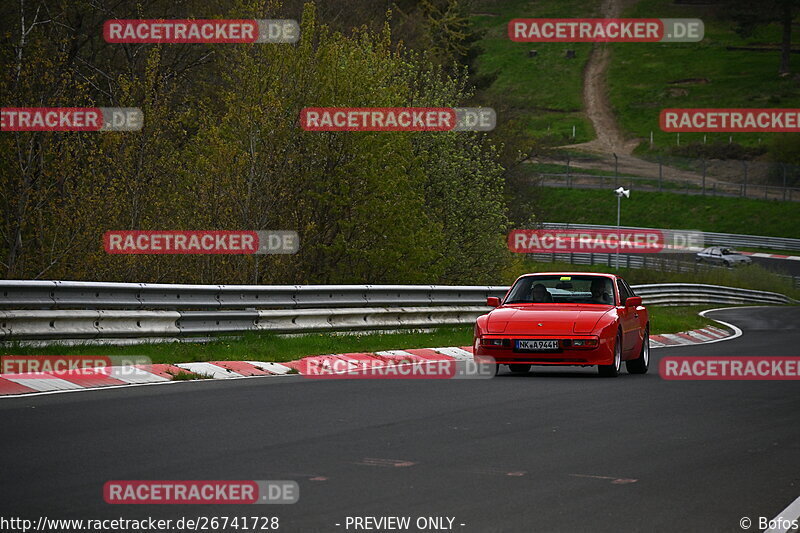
<point x="537" y="345"/>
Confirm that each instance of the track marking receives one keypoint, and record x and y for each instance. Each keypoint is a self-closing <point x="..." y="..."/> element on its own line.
<point x="614" y="480"/>
<point x="736" y="331"/>
<point x="792" y="512"/>
<point x="385" y="463"/>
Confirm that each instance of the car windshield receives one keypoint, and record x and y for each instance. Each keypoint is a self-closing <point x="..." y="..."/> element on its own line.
<point x="562" y="289"/>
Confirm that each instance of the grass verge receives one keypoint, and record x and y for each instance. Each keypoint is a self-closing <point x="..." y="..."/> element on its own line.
<point x="667" y="319"/>
<point x="666" y="210"/>
<point x="264" y="347"/>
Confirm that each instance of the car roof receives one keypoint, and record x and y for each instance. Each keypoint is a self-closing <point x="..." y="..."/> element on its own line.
<point x="604" y="274"/>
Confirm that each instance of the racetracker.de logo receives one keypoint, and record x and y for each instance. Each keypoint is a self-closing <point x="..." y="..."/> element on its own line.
<point x="332" y="368"/>
<point x="582" y="30"/>
<point x="398" y="119"/>
<point x="71" y="119"/>
<point x="201" y="242"/>
<point x="46" y="364"/>
<point x="631" y="241"/>
<point x="201" y="492"/>
<point x="187" y="31"/>
<point x="730" y="120"/>
<point x="730" y="368"/>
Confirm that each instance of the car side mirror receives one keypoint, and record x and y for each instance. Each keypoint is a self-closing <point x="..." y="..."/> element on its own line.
<point x="633" y="301"/>
<point x="493" y="301"/>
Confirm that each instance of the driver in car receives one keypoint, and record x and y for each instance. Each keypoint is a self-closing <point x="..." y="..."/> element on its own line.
<point x="541" y="294"/>
<point x="599" y="293"/>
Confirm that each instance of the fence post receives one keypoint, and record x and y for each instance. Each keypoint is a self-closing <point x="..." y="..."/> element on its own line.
<point x="704" y="177"/>
<point x="783" y="165"/>
<point x="569" y="178"/>
<point x="744" y="183"/>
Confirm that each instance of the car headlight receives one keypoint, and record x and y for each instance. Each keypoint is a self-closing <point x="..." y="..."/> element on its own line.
<point x="584" y="343"/>
<point x="495" y="342"/>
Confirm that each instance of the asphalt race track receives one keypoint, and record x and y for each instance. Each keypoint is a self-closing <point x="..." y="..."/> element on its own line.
<point x="550" y="451"/>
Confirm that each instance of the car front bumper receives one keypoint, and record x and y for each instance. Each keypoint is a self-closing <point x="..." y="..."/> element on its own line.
<point x="567" y="353"/>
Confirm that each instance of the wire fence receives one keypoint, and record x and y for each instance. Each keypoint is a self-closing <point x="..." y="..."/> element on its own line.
<point x="661" y="263"/>
<point x="711" y="177"/>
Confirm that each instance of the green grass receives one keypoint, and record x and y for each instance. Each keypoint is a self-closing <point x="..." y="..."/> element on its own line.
<point x="667" y="319"/>
<point x="668" y="211"/>
<point x="545" y="91"/>
<point x="266" y="347"/>
<point x="639" y="75"/>
<point x="747" y="277"/>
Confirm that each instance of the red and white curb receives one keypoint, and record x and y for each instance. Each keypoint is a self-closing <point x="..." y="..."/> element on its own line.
<point x="115" y="376"/>
<point x="102" y="377"/>
<point x="773" y="256"/>
<point x="697" y="336"/>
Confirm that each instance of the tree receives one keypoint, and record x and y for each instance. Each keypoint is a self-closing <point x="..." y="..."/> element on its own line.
<point x="748" y="15"/>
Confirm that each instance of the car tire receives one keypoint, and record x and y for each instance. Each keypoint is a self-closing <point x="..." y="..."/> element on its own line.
<point x="641" y="363"/>
<point x="727" y="264"/>
<point x="612" y="370"/>
<point x="520" y="369"/>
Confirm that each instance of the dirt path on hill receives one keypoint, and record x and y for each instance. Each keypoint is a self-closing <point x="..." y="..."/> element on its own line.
<point x="610" y="138"/>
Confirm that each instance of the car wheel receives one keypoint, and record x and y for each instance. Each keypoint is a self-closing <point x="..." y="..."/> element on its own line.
<point x="727" y="264"/>
<point x="612" y="370"/>
<point x="641" y="363"/>
<point x="520" y="369"/>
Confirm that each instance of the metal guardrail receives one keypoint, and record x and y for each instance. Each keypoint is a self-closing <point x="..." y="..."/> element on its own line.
<point x="85" y="310"/>
<point x="697" y="294"/>
<point x="711" y="239"/>
<point x="21" y="294"/>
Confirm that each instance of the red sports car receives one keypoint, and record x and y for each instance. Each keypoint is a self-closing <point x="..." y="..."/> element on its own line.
<point x="566" y="319"/>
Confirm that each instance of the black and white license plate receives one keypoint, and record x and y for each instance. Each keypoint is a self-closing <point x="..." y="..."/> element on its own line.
<point x="531" y="345"/>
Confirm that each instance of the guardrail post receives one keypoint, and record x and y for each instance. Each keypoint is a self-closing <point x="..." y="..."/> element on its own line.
<point x="660" y="173"/>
